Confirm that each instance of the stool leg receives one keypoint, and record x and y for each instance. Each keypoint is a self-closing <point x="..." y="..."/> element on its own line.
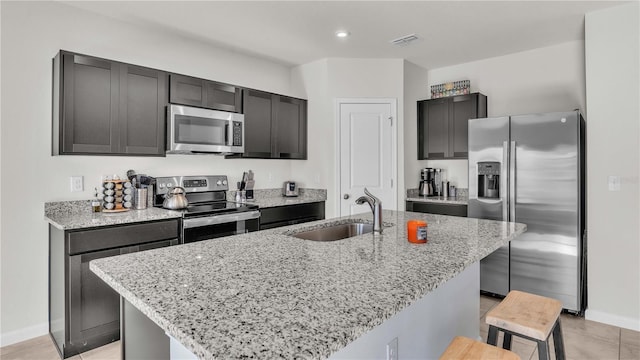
<point x="558" y="342"/>
<point x="506" y="341"/>
<point x="492" y="338"/>
<point x="543" y="350"/>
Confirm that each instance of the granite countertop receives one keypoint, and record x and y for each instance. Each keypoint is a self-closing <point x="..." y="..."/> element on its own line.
<point x="267" y="198"/>
<point x="462" y="197"/>
<point x="269" y="295"/>
<point x="70" y="215"/>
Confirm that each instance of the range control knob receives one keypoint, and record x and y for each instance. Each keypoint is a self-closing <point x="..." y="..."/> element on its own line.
<point x="224" y="182"/>
<point x="161" y="185"/>
<point x="218" y="182"/>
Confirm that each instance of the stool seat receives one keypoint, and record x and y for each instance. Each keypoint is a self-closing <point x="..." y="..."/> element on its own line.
<point x="527" y="314"/>
<point x="465" y="348"/>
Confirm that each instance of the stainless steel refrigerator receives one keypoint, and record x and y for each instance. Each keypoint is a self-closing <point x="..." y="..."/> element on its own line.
<point x="530" y="169"/>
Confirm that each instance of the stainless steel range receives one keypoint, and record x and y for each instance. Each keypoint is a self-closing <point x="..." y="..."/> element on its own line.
<point x="209" y="215"/>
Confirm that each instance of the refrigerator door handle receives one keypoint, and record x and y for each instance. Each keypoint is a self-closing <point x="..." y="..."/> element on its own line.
<point x="512" y="182"/>
<point x="503" y="181"/>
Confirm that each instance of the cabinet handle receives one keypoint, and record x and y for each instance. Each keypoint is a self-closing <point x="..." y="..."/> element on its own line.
<point x="346" y="196"/>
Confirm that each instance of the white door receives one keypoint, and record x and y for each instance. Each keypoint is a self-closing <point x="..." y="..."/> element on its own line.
<point x="367" y="152"/>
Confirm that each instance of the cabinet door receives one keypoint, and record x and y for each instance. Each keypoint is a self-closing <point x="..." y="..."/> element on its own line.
<point x="94" y="307"/>
<point x="259" y="113"/>
<point x="291" y="128"/>
<point x="90" y="98"/>
<point x="433" y="129"/>
<point x="462" y="108"/>
<point x="186" y="90"/>
<point x="222" y="97"/>
<point x="143" y="97"/>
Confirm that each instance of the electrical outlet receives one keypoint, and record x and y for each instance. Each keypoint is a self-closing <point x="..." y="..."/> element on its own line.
<point x="392" y="349"/>
<point x="77" y="184"/>
<point x="614" y="183"/>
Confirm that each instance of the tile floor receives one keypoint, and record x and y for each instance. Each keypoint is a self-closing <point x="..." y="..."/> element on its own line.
<point x="584" y="340"/>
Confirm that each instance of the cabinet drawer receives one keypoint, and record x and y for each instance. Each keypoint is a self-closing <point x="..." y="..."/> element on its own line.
<point x="98" y="239"/>
<point x="290" y="213"/>
<point x="441" y="209"/>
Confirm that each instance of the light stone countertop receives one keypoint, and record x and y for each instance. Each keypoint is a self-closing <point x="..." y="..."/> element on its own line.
<point x="269" y="295"/>
<point x="266" y="198"/>
<point x="72" y="215"/>
<point x="462" y="197"/>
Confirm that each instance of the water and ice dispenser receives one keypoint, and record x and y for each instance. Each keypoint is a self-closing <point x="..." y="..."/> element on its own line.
<point x="489" y="179"/>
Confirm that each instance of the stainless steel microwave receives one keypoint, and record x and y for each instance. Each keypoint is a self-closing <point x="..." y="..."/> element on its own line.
<point x="196" y="130"/>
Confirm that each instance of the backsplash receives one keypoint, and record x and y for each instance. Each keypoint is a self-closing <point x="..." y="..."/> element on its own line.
<point x="274" y="193"/>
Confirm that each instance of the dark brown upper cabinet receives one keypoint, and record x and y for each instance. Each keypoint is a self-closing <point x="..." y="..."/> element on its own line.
<point x="103" y="107"/>
<point x="443" y="125"/>
<point x="186" y="90"/>
<point x="275" y="126"/>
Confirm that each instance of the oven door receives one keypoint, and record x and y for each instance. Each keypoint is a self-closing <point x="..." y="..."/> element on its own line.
<point x="192" y="129"/>
<point x="215" y="226"/>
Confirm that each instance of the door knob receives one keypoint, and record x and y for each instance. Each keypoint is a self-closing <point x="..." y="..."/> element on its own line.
<point x="346" y="196"/>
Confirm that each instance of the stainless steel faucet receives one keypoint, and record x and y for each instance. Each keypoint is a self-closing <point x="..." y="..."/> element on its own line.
<point x="376" y="209"/>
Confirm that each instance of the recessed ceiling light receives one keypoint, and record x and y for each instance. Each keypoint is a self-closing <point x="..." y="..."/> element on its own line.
<point x="342" y="33"/>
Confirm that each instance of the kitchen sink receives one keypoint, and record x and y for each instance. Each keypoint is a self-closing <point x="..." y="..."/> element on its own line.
<point x="335" y="232"/>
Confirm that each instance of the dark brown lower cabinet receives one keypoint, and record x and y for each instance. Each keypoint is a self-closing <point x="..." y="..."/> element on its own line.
<point x="290" y="215"/>
<point x="437" y="208"/>
<point x="84" y="312"/>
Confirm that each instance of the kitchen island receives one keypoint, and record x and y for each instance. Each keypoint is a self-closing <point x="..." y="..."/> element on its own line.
<point x="267" y="294"/>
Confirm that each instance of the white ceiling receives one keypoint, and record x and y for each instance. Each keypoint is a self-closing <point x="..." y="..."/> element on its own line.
<point x="298" y="32"/>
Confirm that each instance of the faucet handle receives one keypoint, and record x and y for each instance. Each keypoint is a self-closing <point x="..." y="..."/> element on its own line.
<point x="375" y="199"/>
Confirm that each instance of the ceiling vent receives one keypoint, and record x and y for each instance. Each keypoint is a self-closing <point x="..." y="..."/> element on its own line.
<point x="405" y="40"/>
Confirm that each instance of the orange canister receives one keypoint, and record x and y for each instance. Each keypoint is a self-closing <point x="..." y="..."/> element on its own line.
<point x="417" y="231"/>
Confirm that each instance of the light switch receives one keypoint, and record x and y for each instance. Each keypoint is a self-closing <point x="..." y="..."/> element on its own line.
<point x="614" y="183"/>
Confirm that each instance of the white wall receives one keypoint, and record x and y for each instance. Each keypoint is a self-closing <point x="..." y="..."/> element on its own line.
<point x="345" y="78"/>
<point x="613" y="138"/>
<point x="540" y="80"/>
<point x="32" y="33"/>
<point x="416" y="87"/>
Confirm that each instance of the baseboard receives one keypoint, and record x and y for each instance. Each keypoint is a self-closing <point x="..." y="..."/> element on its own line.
<point x="611" y="319"/>
<point x="23" y="334"/>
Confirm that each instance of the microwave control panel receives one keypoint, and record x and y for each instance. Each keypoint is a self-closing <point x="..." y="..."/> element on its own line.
<point x="237" y="133"/>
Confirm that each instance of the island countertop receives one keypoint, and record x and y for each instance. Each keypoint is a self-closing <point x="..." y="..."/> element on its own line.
<point x="266" y="294"/>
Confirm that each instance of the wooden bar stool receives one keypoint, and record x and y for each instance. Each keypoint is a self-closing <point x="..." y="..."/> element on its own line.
<point x="529" y="316"/>
<point x="465" y="348"/>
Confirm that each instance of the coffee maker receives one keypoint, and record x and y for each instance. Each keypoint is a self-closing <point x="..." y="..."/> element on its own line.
<point x="427" y="182"/>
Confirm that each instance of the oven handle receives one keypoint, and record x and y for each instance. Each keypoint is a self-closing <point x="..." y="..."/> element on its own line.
<point x="220" y="219"/>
